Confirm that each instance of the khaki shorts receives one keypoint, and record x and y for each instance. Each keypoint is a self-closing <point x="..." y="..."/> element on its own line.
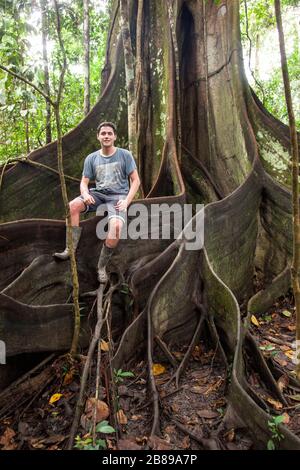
<point x="108" y="200"/>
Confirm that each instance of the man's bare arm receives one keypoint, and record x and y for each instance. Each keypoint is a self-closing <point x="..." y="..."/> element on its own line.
<point x="134" y="186"/>
<point x="84" y="191"/>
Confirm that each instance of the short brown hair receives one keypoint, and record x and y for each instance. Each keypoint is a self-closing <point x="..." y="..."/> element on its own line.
<point x="107" y="124"/>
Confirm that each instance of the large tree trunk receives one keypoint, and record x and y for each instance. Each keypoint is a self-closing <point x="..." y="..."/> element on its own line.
<point x="228" y="142"/>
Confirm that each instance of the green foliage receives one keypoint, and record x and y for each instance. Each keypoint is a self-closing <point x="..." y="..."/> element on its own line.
<point x="276" y="435"/>
<point x="105" y="428"/>
<point x="120" y="375"/>
<point x="256" y="28"/>
<point x="86" y="442"/>
<point x="274" y="90"/>
<point x="23" y="111"/>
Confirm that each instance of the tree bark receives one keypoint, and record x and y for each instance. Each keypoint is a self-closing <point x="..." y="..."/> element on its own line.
<point x="295" y="268"/>
<point x="227" y="135"/>
<point x="130" y="75"/>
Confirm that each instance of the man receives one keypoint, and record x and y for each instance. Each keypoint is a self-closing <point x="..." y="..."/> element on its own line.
<point x="110" y="167"/>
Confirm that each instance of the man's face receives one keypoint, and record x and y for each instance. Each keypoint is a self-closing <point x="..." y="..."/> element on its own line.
<point x="106" y="136"/>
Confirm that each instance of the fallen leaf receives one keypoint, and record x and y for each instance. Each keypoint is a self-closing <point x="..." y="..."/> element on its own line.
<point x="186" y="443"/>
<point x="290" y="354"/>
<point x="121" y="417"/>
<point x="198" y="389"/>
<point x="102" y="409"/>
<point x="36" y="443"/>
<point x="286" y="313"/>
<point x="292" y="327"/>
<point x="104" y="346"/>
<point x="142" y="440"/>
<point x="55" y="398"/>
<point x="7" y="439"/>
<point x="69" y="377"/>
<point x="170" y="429"/>
<point x="276" y="404"/>
<point x="214" y="386"/>
<point x="136" y="417"/>
<point x="208" y="414"/>
<point x="158" y="369"/>
<point x="282" y="382"/>
<point x="254" y="320"/>
<point x="230" y="435"/>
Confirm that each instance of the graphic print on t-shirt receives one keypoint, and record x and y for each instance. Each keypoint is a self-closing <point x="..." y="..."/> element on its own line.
<point x="108" y="175"/>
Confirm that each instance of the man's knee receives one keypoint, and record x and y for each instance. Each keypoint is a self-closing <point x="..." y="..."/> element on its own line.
<point x="76" y="206"/>
<point x="114" y="233"/>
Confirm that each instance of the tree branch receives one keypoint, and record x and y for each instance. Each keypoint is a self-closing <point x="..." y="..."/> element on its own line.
<point x="32" y="85"/>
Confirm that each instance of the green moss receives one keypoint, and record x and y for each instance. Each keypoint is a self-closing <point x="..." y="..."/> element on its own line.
<point x="275" y="157"/>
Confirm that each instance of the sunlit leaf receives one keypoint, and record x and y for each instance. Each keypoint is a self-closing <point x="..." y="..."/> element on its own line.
<point x="290" y="354"/>
<point x="121" y="417"/>
<point x="55" y="397"/>
<point x="276" y="404"/>
<point x="104" y="345"/>
<point x="158" y="369"/>
<point x="254" y="320"/>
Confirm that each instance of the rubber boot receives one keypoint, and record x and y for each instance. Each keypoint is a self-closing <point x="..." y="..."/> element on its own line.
<point x="76" y="233"/>
<point x="105" y="255"/>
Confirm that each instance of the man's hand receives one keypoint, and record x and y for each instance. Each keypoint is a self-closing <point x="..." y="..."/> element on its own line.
<point x="88" y="199"/>
<point x="122" y="205"/>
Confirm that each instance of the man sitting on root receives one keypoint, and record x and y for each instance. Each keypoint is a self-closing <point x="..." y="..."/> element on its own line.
<point x="110" y="167"/>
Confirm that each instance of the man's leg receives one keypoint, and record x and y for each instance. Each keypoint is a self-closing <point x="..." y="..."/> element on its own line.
<point x="76" y="207"/>
<point x="112" y="240"/>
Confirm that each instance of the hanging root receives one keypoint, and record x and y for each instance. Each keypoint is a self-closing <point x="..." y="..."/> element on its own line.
<point x="215" y="338"/>
<point x="87" y="365"/>
<point x="155" y="395"/>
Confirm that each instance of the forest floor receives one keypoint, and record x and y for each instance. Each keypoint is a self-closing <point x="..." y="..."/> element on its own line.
<point x="274" y="331"/>
<point x="41" y="408"/>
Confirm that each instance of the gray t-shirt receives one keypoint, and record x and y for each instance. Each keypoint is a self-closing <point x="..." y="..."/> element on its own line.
<point x="110" y="173"/>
